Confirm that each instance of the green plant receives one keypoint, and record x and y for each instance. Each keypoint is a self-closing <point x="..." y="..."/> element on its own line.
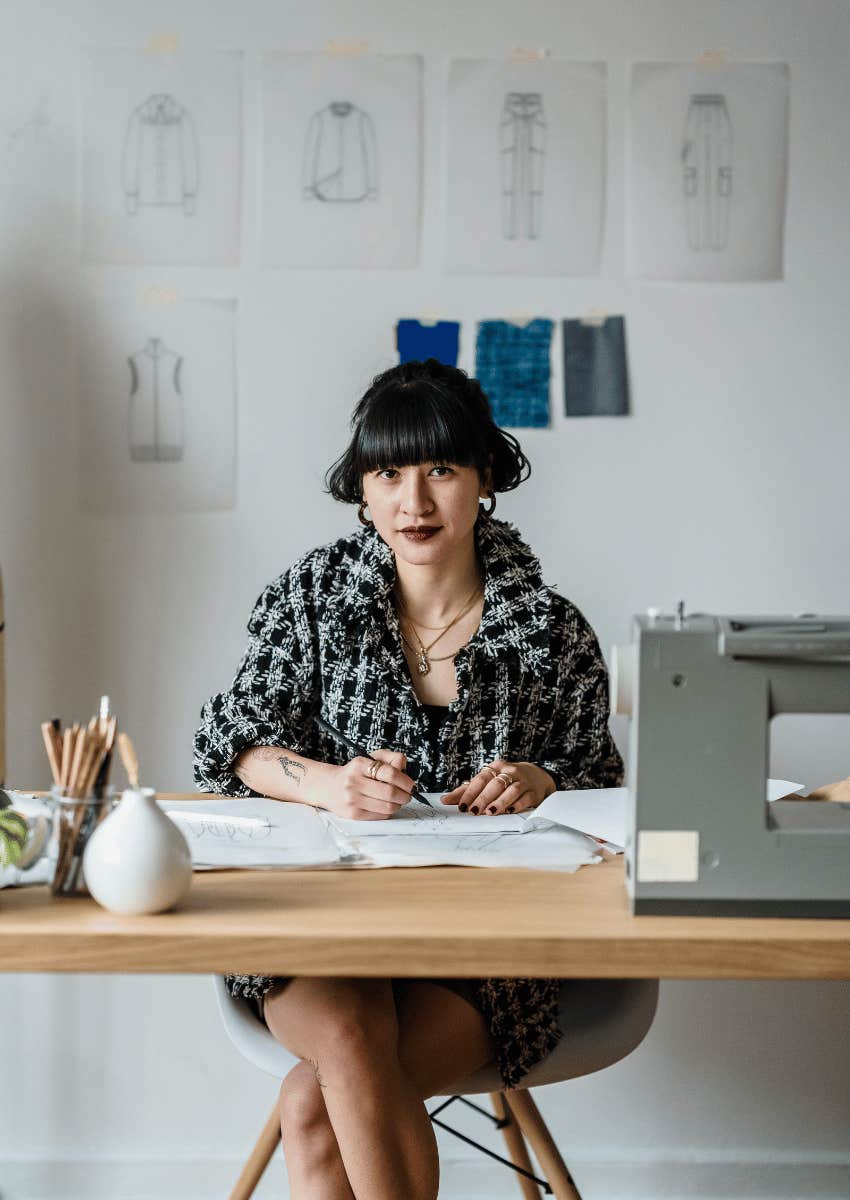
<point x="13" y="837"/>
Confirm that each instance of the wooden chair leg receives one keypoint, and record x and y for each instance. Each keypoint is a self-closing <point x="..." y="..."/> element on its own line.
<point x="260" y="1158"/>
<point x="517" y="1150"/>
<point x="540" y="1140"/>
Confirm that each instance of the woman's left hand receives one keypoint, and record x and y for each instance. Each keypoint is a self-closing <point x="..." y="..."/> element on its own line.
<point x="502" y="787"/>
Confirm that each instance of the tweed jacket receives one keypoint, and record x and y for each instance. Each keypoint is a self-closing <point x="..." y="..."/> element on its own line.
<point x="324" y="638"/>
<point x="532" y="687"/>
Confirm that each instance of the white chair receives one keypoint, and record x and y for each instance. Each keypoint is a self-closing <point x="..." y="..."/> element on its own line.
<point x="603" y="1021"/>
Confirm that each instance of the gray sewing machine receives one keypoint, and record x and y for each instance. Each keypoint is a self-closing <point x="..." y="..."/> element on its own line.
<point x="703" y="840"/>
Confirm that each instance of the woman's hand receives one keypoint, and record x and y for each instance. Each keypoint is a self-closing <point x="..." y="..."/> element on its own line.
<point x="352" y="792"/>
<point x="836" y="792"/>
<point x="503" y="787"/>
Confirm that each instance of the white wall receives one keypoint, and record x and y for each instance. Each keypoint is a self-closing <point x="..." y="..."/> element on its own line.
<point x="729" y="486"/>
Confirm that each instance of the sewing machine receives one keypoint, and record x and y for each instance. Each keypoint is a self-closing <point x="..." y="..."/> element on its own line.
<point x="703" y="839"/>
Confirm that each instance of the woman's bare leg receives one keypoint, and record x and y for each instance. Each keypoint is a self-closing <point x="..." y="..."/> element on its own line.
<point x="313" y="1162"/>
<point x="374" y="1069"/>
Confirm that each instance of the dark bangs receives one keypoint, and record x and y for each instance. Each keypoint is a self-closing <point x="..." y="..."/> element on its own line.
<point x="415" y="423"/>
<point x="425" y="412"/>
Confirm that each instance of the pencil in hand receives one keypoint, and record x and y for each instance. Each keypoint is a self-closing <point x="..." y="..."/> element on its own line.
<point x="355" y="749"/>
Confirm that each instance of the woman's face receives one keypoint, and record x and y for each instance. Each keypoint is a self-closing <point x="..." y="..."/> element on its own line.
<point x="424" y="513"/>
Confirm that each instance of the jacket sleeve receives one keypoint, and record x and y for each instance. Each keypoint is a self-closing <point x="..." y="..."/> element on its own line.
<point x="271" y="698"/>
<point x="582" y="752"/>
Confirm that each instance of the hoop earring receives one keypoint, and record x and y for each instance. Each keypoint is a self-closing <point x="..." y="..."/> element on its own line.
<point x="361" y="516"/>
<point x="488" y="512"/>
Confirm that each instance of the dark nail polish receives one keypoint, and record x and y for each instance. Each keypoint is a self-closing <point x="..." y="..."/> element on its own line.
<point x="511" y="809"/>
<point x="492" y="808"/>
<point x="474" y="809"/>
<point x="462" y="807"/>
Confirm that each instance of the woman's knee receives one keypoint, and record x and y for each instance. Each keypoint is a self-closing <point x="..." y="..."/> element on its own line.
<point x="301" y="1105"/>
<point x="342" y="1022"/>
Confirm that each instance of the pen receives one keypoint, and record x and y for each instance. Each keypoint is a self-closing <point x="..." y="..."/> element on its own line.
<point x="355" y="749"/>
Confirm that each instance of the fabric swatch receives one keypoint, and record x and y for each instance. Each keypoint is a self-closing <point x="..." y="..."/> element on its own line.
<point x="512" y="366"/>
<point x="596" y="382"/>
<point x="417" y="342"/>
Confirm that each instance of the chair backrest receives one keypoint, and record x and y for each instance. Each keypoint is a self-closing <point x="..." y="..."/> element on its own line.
<point x="604" y="1020"/>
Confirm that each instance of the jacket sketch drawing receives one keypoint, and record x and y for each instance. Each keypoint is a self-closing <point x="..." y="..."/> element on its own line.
<point x="340" y="161"/>
<point x="157" y="432"/>
<point x="522" y="144"/>
<point x="160" y="162"/>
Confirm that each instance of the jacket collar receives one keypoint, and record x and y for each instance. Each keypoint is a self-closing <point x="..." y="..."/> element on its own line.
<point x="516" y="601"/>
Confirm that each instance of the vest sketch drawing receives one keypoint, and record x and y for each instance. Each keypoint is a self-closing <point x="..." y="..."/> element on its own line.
<point x="160" y="162"/>
<point x="522" y="145"/>
<point x="707" y="171"/>
<point x="340" y="161"/>
<point x="157" y="425"/>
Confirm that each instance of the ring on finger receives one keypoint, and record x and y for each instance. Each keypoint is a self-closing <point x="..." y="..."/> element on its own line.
<point x="492" y="771"/>
<point x="373" y="770"/>
<point x="506" y="779"/>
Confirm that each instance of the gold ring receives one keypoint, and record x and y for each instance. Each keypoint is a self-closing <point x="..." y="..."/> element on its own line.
<point x="373" y="771"/>
<point x="506" y="779"/>
<point x="492" y="771"/>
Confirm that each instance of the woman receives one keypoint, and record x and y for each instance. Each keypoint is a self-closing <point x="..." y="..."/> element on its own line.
<point x="429" y="634"/>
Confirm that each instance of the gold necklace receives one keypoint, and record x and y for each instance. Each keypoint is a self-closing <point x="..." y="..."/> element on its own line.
<point x="423" y="662"/>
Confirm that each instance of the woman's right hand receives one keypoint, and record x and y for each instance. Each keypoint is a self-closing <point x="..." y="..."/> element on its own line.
<point x="352" y="793"/>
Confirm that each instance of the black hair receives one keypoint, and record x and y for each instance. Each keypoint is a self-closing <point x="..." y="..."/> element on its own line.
<point x="425" y="412"/>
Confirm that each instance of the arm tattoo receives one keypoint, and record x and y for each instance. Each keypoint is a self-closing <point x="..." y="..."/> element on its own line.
<point x="287" y="764"/>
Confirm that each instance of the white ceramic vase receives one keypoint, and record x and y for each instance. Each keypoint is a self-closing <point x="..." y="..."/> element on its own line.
<point x="137" y="860"/>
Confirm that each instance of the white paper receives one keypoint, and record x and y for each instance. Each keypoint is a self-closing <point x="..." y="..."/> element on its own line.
<point x="341" y="160"/>
<point x="525" y="166"/>
<point x="708" y="155"/>
<point x="549" y="849"/>
<point x="157" y="403"/>
<point x="254" y="833"/>
<point x="161" y="158"/>
<point x="440" y="821"/>
<point x="603" y="812"/>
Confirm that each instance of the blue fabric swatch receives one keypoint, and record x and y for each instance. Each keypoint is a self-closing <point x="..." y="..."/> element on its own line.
<point x="512" y="366"/>
<point x="416" y="341"/>
<point x="596" y="382"/>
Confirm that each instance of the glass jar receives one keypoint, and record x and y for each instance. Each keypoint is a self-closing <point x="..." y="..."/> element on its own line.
<point x="73" y="821"/>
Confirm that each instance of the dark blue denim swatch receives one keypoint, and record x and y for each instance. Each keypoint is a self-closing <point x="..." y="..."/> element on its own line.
<point x="416" y="341"/>
<point x="596" y="382"/>
<point x="512" y="366"/>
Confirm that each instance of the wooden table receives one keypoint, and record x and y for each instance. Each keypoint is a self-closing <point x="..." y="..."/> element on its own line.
<point x="413" y="921"/>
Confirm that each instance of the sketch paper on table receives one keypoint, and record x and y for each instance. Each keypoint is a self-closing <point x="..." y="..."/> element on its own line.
<point x="180" y="416"/>
<point x="254" y="833"/>
<point x="418" y="820"/>
<point x="525" y="169"/>
<point x="341" y="160"/>
<point x="157" y="432"/>
<point x="708" y="154"/>
<point x="161" y="161"/>
<point x="549" y="849"/>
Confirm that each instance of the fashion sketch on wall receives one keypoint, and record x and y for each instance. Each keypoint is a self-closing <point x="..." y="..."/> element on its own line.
<point x="341" y="151"/>
<point x="707" y="164"/>
<point x="161" y="157"/>
<point x="522" y="146"/>
<point x="707" y="171"/>
<point x="340" y="155"/>
<point x="157" y="398"/>
<point x="160" y="160"/>
<point x="156" y="424"/>
<point x="525" y="167"/>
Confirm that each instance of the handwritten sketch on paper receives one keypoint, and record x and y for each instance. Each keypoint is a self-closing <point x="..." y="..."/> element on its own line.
<point x="707" y="171"/>
<point x="340" y="163"/>
<point x="160" y="160"/>
<point x="157" y="425"/>
<point x="522" y="147"/>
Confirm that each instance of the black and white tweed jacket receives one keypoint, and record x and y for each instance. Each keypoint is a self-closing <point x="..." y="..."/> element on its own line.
<point x="324" y="638"/>
<point x="532" y="687"/>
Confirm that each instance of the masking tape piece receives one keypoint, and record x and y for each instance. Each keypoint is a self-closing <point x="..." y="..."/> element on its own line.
<point x="714" y="58"/>
<point x="528" y="54"/>
<point x="342" y="49"/>
<point x="162" y="43"/>
<point x="668" y="856"/>
<point x="160" y="295"/>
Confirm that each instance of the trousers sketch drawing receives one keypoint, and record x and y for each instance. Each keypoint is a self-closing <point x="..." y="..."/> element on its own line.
<point x="522" y="144"/>
<point x="160" y="162"/>
<point x="707" y="171"/>
<point x="340" y="162"/>
<point x="157" y="427"/>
